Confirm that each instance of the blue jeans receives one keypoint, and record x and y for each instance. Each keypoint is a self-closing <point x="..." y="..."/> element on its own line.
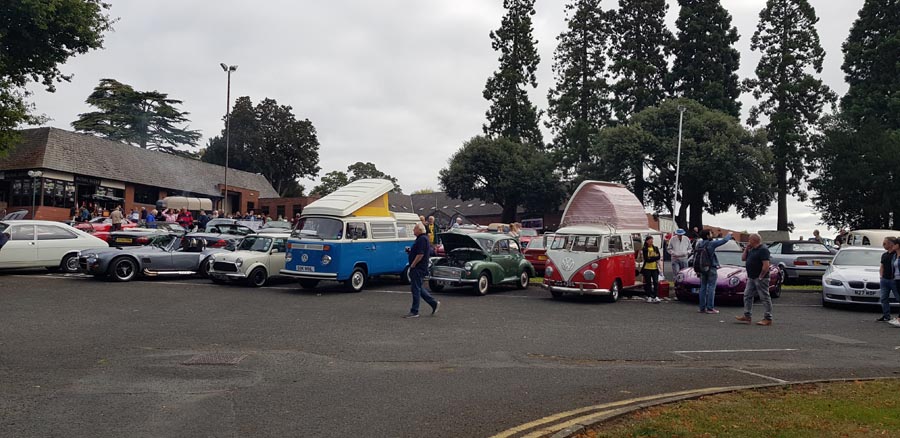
<point x="415" y="281"/>
<point x="888" y="286"/>
<point x="708" y="281"/>
<point x="677" y="265"/>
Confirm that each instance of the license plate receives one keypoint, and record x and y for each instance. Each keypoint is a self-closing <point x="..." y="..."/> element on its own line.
<point x="817" y="263"/>
<point x="864" y="292"/>
<point x="301" y="268"/>
<point x="123" y="240"/>
<point x="695" y="290"/>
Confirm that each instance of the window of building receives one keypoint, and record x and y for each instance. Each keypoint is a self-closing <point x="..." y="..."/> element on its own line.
<point x="60" y="194"/>
<point x="279" y="211"/>
<point x="251" y="206"/>
<point x="264" y="210"/>
<point x="146" y="194"/>
<point x="21" y="192"/>
<point x="298" y="209"/>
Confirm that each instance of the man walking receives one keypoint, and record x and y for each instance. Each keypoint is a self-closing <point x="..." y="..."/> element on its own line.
<point x="888" y="283"/>
<point x="116" y="218"/>
<point x="756" y="257"/>
<point x="679" y="249"/>
<point x="418" y="268"/>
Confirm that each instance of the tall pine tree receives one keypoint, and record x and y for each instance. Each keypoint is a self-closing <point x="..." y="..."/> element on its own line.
<point x="579" y="104"/>
<point x="789" y="94"/>
<point x="859" y="155"/>
<point x="705" y="57"/>
<point x="511" y="114"/>
<point x="642" y="46"/>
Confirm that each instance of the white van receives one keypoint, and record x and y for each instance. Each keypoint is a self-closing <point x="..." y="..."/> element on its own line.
<point x="869" y="237"/>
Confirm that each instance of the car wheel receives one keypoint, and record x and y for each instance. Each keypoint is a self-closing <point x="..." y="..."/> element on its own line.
<point x="205" y="266"/>
<point x="308" y="283"/>
<point x="524" y="278"/>
<point x="123" y="269"/>
<point x="404" y="276"/>
<point x="614" y="292"/>
<point x="357" y="279"/>
<point x="484" y="284"/>
<point x="257" y="277"/>
<point x="69" y="263"/>
<point x="434" y="286"/>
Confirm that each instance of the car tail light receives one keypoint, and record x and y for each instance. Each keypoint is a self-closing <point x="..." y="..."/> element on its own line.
<point x="219" y="243"/>
<point x="143" y="240"/>
<point x="800" y="263"/>
<point x="542" y="257"/>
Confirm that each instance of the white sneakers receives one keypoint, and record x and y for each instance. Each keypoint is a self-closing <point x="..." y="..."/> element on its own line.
<point x="653" y="300"/>
<point x="895" y="322"/>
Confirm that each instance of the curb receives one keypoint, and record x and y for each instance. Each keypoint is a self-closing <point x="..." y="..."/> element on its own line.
<point x="596" y="418"/>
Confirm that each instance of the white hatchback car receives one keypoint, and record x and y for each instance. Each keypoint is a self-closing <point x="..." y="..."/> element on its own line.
<point x="853" y="278"/>
<point x="39" y="244"/>
<point x="256" y="258"/>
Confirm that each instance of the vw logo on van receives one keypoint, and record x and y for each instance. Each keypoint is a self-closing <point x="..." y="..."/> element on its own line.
<point x="304" y="258"/>
<point x="568" y="263"/>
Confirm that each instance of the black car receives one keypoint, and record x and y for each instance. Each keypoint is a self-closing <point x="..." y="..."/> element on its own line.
<point x="143" y="236"/>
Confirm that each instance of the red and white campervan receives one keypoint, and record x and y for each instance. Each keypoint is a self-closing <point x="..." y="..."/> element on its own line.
<point x="597" y="249"/>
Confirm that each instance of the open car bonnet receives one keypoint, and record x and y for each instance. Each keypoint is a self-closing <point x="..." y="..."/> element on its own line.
<point x="453" y="241"/>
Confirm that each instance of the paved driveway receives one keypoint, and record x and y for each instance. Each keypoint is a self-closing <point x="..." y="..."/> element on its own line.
<point x="80" y="357"/>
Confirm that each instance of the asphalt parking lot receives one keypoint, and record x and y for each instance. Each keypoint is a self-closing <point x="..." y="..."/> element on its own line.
<point x="81" y="357"/>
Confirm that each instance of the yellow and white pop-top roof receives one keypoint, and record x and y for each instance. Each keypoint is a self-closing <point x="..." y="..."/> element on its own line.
<point x="364" y="197"/>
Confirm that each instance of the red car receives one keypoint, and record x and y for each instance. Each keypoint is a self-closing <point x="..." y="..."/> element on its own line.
<point x="536" y="252"/>
<point x="100" y="227"/>
<point x="526" y="234"/>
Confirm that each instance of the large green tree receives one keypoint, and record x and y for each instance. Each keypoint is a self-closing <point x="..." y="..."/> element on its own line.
<point x="336" y="179"/>
<point x="723" y="165"/>
<point x="270" y="140"/>
<point x="579" y="103"/>
<point x="706" y="61"/>
<point x="503" y="171"/>
<point x="511" y="114"/>
<point x="857" y="160"/>
<point x="790" y="96"/>
<point x="36" y="37"/>
<point x="147" y="119"/>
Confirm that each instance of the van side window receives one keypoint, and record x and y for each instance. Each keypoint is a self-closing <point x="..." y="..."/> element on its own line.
<point x="866" y="241"/>
<point x="513" y="246"/>
<point x="383" y="230"/>
<point x="356" y="230"/>
<point x="629" y="245"/>
<point x="615" y="244"/>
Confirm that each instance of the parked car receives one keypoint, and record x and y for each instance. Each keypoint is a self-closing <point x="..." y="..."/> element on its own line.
<point x="165" y="255"/>
<point x="99" y="227"/>
<point x="38" y="244"/>
<point x="143" y="236"/>
<point x="731" y="281"/>
<point x="274" y="226"/>
<point x="257" y="258"/>
<point x="853" y="277"/>
<point x="536" y="253"/>
<point x="801" y="259"/>
<point x="226" y="240"/>
<point x="479" y="260"/>
<point x="869" y="237"/>
<point x="233" y="229"/>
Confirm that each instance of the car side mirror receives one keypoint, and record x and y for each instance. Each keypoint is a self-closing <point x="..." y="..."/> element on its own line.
<point x="275" y="251"/>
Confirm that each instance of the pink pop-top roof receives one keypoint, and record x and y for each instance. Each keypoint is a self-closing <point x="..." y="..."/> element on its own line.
<point x="609" y="204"/>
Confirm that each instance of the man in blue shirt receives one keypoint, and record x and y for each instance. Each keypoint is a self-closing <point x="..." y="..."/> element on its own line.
<point x="418" y="268"/>
<point x="710" y="278"/>
<point x="756" y="256"/>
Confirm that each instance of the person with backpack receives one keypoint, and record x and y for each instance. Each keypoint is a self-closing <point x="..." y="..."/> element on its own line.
<point x="706" y="265"/>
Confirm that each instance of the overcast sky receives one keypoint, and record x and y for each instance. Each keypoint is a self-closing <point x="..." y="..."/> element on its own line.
<point x="395" y="82"/>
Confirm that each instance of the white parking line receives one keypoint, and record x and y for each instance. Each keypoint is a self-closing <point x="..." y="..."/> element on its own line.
<point x="763" y="350"/>
<point x="774" y="379"/>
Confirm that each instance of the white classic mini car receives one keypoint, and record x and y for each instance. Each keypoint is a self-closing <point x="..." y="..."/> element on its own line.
<point x="255" y="259"/>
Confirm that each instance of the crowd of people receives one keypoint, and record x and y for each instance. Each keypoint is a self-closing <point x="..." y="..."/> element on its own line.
<point x="149" y="218"/>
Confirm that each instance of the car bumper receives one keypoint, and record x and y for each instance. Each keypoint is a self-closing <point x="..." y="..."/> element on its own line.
<point x="581" y="289"/>
<point x="227" y="275"/>
<point x="807" y="272"/>
<point x="453" y="281"/>
<point x="309" y="275"/>
<point x="845" y="295"/>
<point x="92" y="266"/>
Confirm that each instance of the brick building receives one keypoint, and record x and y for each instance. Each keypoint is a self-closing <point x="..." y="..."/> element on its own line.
<point x="83" y="169"/>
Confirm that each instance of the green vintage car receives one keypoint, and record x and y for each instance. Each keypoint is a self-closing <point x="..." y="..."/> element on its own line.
<point x="479" y="260"/>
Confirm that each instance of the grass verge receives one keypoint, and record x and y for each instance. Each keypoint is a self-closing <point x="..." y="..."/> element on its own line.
<point x="826" y="410"/>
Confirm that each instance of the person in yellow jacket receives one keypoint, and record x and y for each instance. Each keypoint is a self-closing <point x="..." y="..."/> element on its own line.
<point x="650" y="270"/>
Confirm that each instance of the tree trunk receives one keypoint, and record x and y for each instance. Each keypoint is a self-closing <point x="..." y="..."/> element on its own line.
<point x="781" y="175"/>
<point x="696" y="202"/>
<point x="639" y="184"/>
<point x="682" y="212"/>
<point x="509" y="213"/>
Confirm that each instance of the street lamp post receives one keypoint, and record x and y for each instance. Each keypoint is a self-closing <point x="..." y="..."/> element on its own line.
<point x="34" y="174"/>
<point x="681" y="110"/>
<point x="228" y="69"/>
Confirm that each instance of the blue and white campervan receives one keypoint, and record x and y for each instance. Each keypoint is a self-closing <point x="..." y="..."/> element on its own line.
<point x="350" y="235"/>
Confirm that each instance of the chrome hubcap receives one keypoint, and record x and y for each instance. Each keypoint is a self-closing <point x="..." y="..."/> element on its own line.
<point x="124" y="269"/>
<point x="357" y="280"/>
<point x="72" y="264"/>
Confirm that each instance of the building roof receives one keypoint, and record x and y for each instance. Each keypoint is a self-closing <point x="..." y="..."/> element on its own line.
<point x="85" y="154"/>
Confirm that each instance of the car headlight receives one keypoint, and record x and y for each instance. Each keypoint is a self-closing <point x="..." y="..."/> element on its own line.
<point x="468" y="266"/>
<point x="679" y="278"/>
<point x="239" y="262"/>
<point x="834" y="282"/>
<point x="734" y="281"/>
<point x="589" y="275"/>
<point x="548" y="271"/>
<point x="326" y="259"/>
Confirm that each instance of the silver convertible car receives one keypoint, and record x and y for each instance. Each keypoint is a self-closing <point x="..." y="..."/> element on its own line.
<point x="165" y="255"/>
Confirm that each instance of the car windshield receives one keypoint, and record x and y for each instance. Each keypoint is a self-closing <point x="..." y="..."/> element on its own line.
<point x="162" y="241"/>
<point x="528" y="232"/>
<point x="170" y="227"/>
<point x="3" y="227"/>
<point x="730" y="258"/>
<point x="98" y="220"/>
<point x="319" y="227"/>
<point x="277" y="224"/>
<point x="560" y="242"/>
<point x="811" y="247"/>
<point x="536" y="244"/>
<point x="254" y="243"/>
<point x="858" y="258"/>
